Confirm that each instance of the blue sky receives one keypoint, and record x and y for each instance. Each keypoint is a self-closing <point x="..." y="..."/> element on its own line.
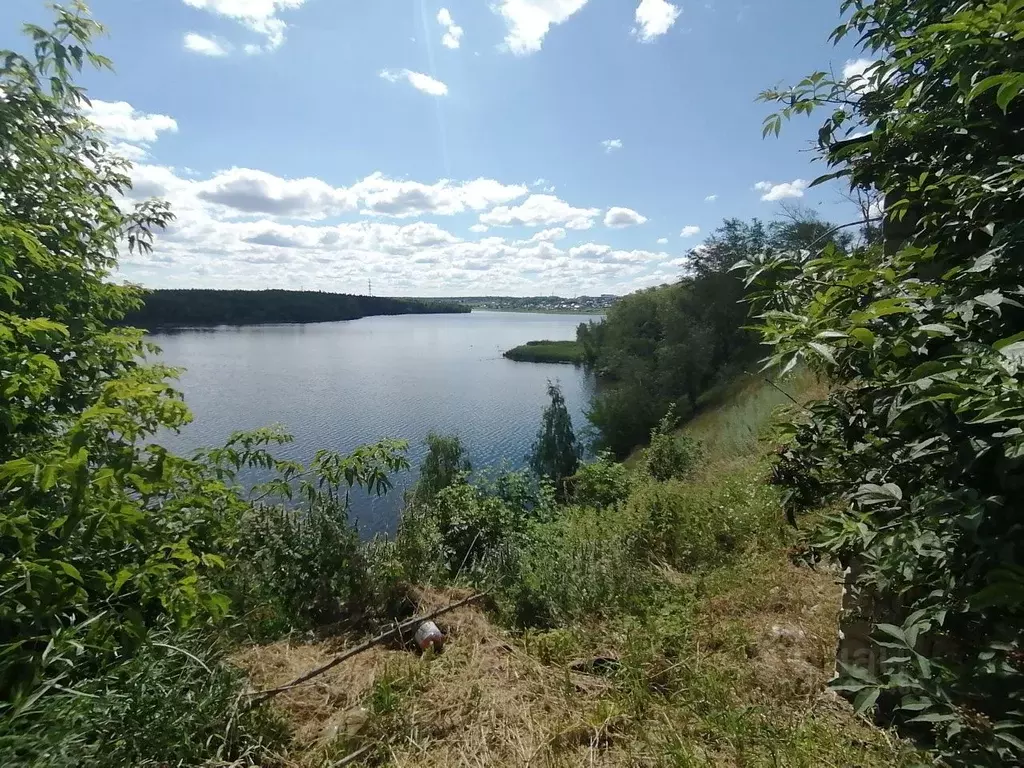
<point x="451" y="147"/>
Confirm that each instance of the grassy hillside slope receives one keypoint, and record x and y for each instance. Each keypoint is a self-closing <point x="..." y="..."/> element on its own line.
<point x="718" y="655"/>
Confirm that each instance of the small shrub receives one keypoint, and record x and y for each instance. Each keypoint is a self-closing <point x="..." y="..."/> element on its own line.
<point x="296" y="569"/>
<point x="584" y="564"/>
<point x="692" y="525"/>
<point x="466" y="525"/>
<point x="669" y="455"/>
<point x="445" y="464"/>
<point x="602" y="483"/>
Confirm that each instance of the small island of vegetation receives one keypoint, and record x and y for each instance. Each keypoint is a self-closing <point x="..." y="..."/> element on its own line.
<point x="202" y="307"/>
<point x="547" y="352"/>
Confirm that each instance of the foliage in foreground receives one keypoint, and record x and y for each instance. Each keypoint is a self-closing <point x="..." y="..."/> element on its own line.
<point x="106" y="539"/>
<point x="923" y="439"/>
<point x="176" y="702"/>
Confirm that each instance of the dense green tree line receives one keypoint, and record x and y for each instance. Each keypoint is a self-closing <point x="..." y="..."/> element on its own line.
<point x="666" y="346"/>
<point x="201" y="307"/>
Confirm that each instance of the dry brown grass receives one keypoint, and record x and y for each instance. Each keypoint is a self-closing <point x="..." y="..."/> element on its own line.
<point x="483" y="701"/>
<point x="759" y="660"/>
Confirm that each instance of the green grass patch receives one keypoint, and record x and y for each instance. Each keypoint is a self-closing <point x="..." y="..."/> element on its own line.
<point x="547" y="352"/>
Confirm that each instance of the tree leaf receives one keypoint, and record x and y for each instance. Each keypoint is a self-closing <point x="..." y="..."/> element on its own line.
<point x="865" y="700"/>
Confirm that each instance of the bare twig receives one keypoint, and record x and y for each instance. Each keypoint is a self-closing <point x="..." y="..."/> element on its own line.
<point x="841" y="227"/>
<point x="772" y="383"/>
<point x="351" y="758"/>
<point x="260" y="696"/>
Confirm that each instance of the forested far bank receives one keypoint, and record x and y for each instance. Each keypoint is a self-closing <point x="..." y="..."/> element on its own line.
<point x="179" y="308"/>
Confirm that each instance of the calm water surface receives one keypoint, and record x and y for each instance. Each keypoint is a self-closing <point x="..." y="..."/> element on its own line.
<point x="340" y="385"/>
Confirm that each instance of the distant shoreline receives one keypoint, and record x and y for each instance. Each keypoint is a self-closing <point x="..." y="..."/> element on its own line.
<point x="544" y="311"/>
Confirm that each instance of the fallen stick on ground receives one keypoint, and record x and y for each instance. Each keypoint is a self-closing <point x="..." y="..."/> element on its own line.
<point x="349" y="759"/>
<point x="260" y="696"/>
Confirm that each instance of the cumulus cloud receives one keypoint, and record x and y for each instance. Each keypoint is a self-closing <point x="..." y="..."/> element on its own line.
<point x="611" y="145"/>
<point x="710" y="198"/>
<point x="260" y="16"/>
<point x="206" y="46"/>
<point x="250" y="191"/>
<point x="552" y="235"/>
<point x="618" y="218"/>
<point x="856" y="67"/>
<point x="120" y="120"/>
<point x="245" y="191"/>
<point x="246" y="228"/>
<point x="479" y="228"/>
<point x="608" y="255"/>
<point x="773" y="192"/>
<point x="654" y="18"/>
<point x="549" y="235"/>
<point x="379" y="194"/>
<point x="541" y="211"/>
<point x="662" y="241"/>
<point x="417" y="80"/>
<point x="133" y="153"/>
<point x="690" y="231"/>
<point x="452" y="37"/>
<point x="529" y="21"/>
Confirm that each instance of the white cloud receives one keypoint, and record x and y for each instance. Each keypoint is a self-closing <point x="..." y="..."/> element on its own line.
<point x="608" y="255"/>
<point x="690" y="231"/>
<point x="618" y="218"/>
<point x="247" y="228"/>
<point x="247" y="192"/>
<point x="206" y="46"/>
<point x="133" y="153"/>
<point x="452" y="37"/>
<point x="379" y="194"/>
<point x="261" y="16"/>
<point x="773" y="192"/>
<point x="541" y="211"/>
<point x="654" y="18"/>
<point x="529" y="21"/>
<point x="120" y="120"/>
<point x="552" y="235"/>
<point x="856" y="67"/>
<point x="710" y="198"/>
<point x="662" y="241"/>
<point x="610" y="145"/>
<point x="417" y="80"/>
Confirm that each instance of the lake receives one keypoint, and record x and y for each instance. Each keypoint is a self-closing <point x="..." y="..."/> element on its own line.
<point x="341" y="385"/>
